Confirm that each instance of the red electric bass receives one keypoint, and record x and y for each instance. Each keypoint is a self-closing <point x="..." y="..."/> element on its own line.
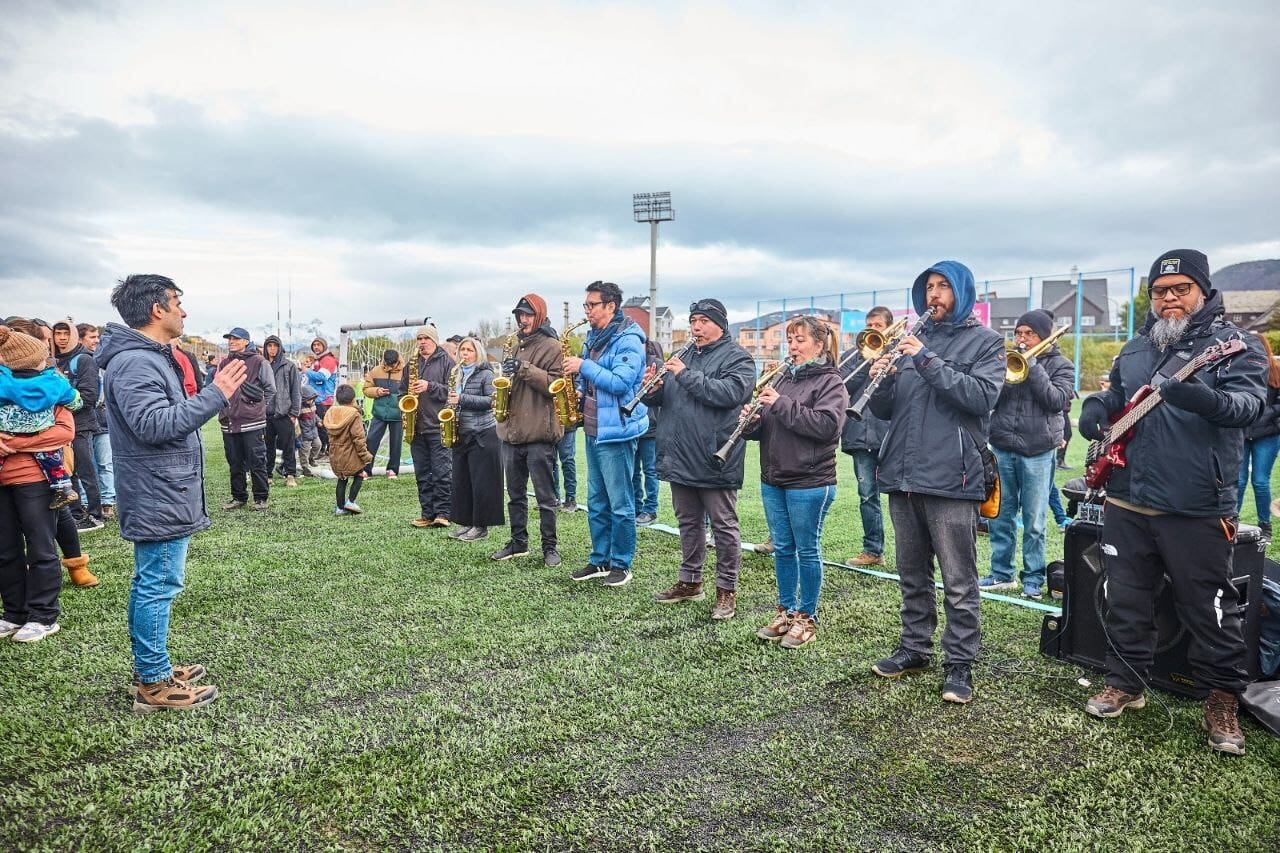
<point x="1107" y="454"/>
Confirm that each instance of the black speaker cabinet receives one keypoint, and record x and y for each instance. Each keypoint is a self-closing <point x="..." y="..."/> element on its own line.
<point x="1077" y="635"/>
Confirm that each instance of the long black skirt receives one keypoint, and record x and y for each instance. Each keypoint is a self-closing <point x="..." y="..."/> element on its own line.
<point x="477" y="480"/>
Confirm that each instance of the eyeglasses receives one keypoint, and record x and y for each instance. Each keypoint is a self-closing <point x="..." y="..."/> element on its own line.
<point x="587" y="306"/>
<point x="1182" y="288"/>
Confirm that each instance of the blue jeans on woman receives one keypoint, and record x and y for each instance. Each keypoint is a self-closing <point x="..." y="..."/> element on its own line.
<point x="1261" y="454"/>
<point x="157" y="580"/>
<point x="795" y="518"/>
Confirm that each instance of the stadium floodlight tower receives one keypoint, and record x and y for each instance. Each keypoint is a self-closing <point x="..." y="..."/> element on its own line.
<point x="653" y="208"/>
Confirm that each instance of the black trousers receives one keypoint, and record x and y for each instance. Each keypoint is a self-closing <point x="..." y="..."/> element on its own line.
<point x="30" y="574"/>
<point x="280" y="437"/>
<point x="522" y="462"/>
<point x="396" y="441"/>
<point x="433" y="469"/>
<point x="68" y="535"/>
<point x="320" y="430"/>
<point x="247" y="453"/>
<point x="477" y="480"/>
<point x="1193" y="555"/>
<point x="85" y="475"/>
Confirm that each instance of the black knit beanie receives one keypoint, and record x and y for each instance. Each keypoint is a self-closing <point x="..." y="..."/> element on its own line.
<point x="713" y="310"/>
<point x="1188" y="262"/>
<point x="1040" y="321"/>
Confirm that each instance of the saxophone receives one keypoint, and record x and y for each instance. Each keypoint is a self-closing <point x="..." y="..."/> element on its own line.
<point x="502" y="384"/>
<point x="449" y="414"/>
<point x="409" y="402"/>
<point x="563" y="393"/>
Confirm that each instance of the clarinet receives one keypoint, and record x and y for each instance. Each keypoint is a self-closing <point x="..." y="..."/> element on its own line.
<point x="855" y="411"/>
<point x="653" y="381"/>
<point x="744" y="420"/>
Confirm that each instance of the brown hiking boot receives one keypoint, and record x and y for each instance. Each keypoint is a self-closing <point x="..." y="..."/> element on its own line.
<point x="440" y="521"/>
<point x="108" y="511"/>
<point x="765" y="547"/>
<point x="803" y="629"/>
<point x="172" y="695"/>
<point x="1112" y="701"/>
<point x="778" y="628"/>
<point x="726" y="604"/>
<point x="187" y="674"/>
<point x="421" y="522"/>
<point x="1221" y="723"/>
<point x="680" y="591"/>
<point x="864" y="559"/>
<point x="78" y="569"/>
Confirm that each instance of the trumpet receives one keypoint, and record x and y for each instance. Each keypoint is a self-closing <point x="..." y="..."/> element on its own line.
<point x="653" y="381"/>
<point x="870" y="344"/>
<point x="502" y="384"/>
<point x="769" y="379"/>
<point x="563" y="393"/>
<point x="1018" y="363"/>
<point x="855" y="411"/>
<point x="408" y="403"/>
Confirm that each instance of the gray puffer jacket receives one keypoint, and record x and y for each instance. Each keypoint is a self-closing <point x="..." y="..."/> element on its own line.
<point x="155" y="437"/>
<point x="475" y="402"/>
<point x="1028" y="415"/>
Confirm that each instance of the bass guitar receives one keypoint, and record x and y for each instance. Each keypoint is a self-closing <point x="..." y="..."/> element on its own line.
<point x="1108" y="453"/>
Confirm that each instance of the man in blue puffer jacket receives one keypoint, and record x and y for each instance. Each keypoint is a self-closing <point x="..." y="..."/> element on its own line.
<point x="610" y="372"/>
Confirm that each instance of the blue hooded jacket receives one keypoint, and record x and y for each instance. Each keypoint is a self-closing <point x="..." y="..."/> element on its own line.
<point x="38" y="392"/>
<point x="939" y="402"/>
<point x="616" y="375"/>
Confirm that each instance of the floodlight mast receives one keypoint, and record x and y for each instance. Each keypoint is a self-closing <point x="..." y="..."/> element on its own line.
<point x="652" y="208"/>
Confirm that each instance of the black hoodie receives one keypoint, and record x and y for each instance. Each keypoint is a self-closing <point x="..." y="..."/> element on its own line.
<point x="81" y="370"/>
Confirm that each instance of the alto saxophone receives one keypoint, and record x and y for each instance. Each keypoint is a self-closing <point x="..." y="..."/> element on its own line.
<point x="563" y="393"/>
<point x="449" y="414"/>
<point x="502" y="384"/>
<point x="409" y="402"/>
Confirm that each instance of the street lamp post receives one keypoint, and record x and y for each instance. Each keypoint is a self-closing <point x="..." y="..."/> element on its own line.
<point x="652" y="208"/>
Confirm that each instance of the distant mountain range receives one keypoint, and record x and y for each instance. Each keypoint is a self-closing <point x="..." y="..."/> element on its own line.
<point x="1250" y="275"/>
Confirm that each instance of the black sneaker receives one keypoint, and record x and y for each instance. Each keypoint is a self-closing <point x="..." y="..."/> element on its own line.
<point x="617" y="577"/>
<point x="588" y="572"/>
<point x="644" y="519"/>
<point x="506" y="552"/>
<point x="551" y="559"/>
<point x="87" y="524"/>
<point x="900" y="663"/>
<point x="957" y="686"/>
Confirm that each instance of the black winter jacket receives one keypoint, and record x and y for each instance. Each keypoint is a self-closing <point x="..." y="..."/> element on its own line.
<point x="700" y="409"/>
<point x="435" y="371"/>
<point x="288" y="397"/>
<point x="938" y="404"/>
<point x="799" y="433"/>
<point x="1028" y="416"/>
<point x="1177" y="461"/>
<point x="85" y="379"/>
<point x="868" y="433"/>
<point x="1268" y="422"/>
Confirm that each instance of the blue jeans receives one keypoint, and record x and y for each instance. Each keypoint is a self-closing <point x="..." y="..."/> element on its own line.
<point x="1055" y="505"/>
<point x="157" y="580"/>
<point x="795" y="518"/>
<point x="864" y="468"/>
<point x="102" y="465"/>
<point x="567" y="450"/>
<point x="645" y="480"/>
<point x="1261" y="453"/>
<point x="611" y="502"/>
<point x="1024" y="490"/>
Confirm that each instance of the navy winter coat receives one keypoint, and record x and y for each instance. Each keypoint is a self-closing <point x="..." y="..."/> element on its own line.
<point x="155" y="437"/>
<point x="1028" y="415"/>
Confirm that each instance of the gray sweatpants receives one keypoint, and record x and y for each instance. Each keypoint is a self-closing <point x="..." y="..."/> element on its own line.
<point x="924" y="527"/>
<point x="692" y="506"/>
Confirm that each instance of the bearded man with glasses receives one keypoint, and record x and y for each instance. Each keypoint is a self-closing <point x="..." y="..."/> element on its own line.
<point x="1171" y="510"/>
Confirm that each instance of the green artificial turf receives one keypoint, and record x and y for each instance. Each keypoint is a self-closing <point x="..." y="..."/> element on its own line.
<point x="383" y="687"/>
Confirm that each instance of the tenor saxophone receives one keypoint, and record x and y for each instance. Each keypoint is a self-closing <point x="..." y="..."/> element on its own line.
<point x="502" y="384"/>
<point x="449" y="414"/>
<point x="409" y="402"/>
<point x="563" y="393"/>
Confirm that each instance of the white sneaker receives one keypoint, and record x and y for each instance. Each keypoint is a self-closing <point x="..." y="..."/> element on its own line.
<point x="7" y="627"/>
<point x="34" y="632"/>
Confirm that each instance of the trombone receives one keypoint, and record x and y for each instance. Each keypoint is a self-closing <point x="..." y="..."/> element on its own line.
<point x="870" y="344"/>
<point x="1018" y="363"/>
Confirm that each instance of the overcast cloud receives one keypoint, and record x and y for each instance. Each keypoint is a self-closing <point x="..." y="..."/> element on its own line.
<point x="408" y="159"/>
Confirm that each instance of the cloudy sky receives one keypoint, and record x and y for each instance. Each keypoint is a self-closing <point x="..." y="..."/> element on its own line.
<point x="442" y="159"/>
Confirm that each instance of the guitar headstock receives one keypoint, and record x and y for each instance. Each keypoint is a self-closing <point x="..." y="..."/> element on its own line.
<point x="1219" y="351"/>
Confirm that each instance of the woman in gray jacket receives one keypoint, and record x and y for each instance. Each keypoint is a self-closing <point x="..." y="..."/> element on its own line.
<point x="477" y="453"/>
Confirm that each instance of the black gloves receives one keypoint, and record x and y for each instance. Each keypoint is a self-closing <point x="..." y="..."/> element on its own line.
<point x="1191" y="395"/>
<point x="1094" y="419"/>
<point x="510" y="366"/>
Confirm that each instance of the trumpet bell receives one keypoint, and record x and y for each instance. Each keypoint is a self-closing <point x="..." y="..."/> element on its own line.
<point x="870" y="343"/>
<point x="1016" y="367"/>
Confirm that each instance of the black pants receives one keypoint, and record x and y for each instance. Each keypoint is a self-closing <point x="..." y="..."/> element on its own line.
<point x="536" y="461"/>
<point x="396" y="431"/>
<point x="280" y="437"/>
<point x="68" y="534"/>
<point x="30" y="575"/>
<point x="85" y="476"/>
<point x="433" y="469"/>
<point x="321" y="408"/>
<point x="1193" y="555"/>
<point x="247" y="453"/>
<point x="477" y="480"/>
<point x="342" y="496"/>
